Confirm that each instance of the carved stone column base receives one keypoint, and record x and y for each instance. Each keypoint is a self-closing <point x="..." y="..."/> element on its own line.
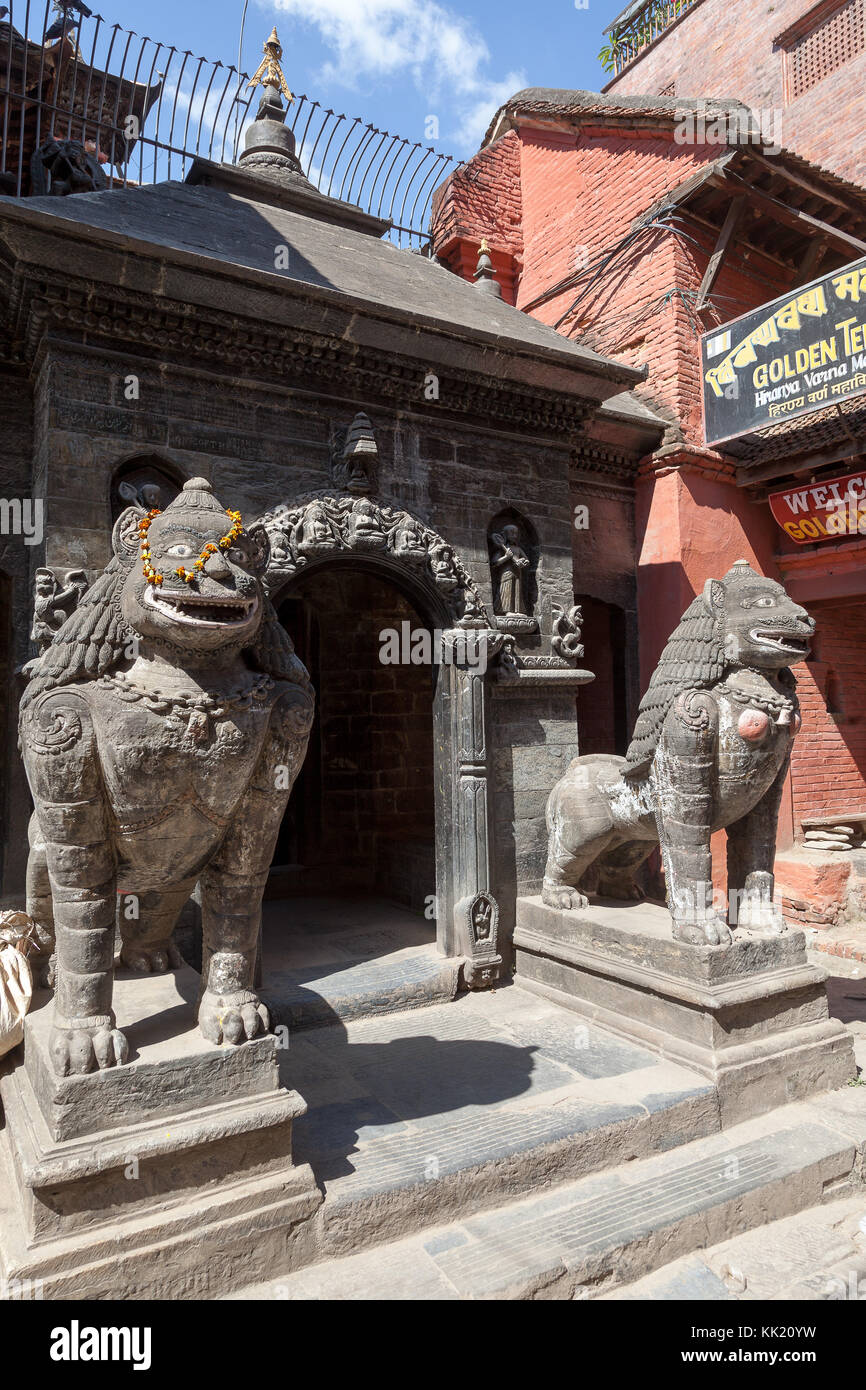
<point x="752" y="1017"/>
<point x="170" y="1177"/>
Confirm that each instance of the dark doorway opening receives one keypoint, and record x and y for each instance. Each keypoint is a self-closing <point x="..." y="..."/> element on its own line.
<point x="361" y="816"/>
<point x="603" y="706"/>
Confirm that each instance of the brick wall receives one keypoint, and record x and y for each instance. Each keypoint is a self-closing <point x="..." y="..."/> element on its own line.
<point x="720" y="49"/>
<point x="829" y="762"/>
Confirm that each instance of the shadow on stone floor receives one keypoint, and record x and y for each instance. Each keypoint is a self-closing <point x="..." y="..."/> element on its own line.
<point x="359" y="1091"/>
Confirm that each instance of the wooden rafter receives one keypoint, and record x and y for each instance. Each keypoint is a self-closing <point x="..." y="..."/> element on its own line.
<point x="714" y="265"/>
<point x="790" y="217"/>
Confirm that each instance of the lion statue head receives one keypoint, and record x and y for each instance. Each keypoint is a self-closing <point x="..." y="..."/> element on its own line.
<point x="187" y="580"/>
<point x="743" y="620"/>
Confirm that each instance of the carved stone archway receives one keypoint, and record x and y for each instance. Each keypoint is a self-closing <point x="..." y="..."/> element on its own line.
<point x="338" y="528"/>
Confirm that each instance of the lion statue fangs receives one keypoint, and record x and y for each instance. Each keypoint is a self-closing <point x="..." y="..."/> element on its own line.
<point x="710" y="751"/>
<point x="150" y="732"/>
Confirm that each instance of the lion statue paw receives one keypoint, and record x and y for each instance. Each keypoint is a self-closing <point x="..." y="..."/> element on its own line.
<point x="232" y="1018"/>
<point x="80" y="1045"/>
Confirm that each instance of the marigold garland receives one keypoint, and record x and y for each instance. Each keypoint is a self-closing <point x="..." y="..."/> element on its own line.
<point x="188" y="576"/>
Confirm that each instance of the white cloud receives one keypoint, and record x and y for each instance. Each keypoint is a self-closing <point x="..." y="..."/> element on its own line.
<point x="444" y="54"/>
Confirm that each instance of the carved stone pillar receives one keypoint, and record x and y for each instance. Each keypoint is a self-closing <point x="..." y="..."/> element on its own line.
<point x="472" y="908"/>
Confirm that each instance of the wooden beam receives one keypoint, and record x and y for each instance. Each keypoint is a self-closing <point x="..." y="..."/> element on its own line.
<point x="827" y="195"/>
<point x="714" y="264"/>
<point x="812" y="259"/>
<point x="787" y="467"/>
<point x="792" y="217"/>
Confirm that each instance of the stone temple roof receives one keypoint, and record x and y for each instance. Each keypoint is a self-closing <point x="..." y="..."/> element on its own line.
<point x="212" y="221"/>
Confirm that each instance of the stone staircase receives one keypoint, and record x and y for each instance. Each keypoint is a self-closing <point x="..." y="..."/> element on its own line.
<point x="498" y="1147"/>
<point x="595" y="1236"/>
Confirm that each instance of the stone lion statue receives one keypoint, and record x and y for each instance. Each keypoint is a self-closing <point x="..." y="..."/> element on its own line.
<point x="161" y="732"/>
<point x="710" y="751"/>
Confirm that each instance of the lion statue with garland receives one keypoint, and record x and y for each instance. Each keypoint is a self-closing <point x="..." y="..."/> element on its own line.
<point x="161" y="731"/>
<point x="710" y="751"/>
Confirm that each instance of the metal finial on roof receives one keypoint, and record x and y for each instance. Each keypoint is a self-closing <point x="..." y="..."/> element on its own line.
<point x="485" y="277"/>
<point x="269" y="73"/>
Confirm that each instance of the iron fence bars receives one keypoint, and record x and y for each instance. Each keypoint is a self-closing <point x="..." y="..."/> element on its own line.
<point x="640" y="25"/>
<point x="146" y="110"/>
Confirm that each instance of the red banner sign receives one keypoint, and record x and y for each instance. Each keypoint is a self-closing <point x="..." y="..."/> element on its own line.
<point x="822" y="511"/>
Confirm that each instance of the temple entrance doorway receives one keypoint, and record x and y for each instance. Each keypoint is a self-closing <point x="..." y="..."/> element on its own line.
<point x="350" y="903"/>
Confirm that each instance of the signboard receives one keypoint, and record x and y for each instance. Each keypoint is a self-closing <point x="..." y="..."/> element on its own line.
<point x="789" y="358"/>
<point x="822" y="511"/>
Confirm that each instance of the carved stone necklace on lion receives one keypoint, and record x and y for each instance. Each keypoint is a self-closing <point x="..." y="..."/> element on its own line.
<point x="779" y="706"/>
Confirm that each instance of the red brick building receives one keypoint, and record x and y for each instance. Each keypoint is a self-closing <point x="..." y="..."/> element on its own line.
<point x="800" y="63"/>
<point x="629" y="225"/>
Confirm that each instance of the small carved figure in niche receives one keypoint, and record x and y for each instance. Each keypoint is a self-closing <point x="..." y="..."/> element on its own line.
<point x="147" y="495"/>
<point x="482" y="915"/>
<point x="364" y="529"/>
<point x="61" y="167"/>
<point x="53" y="601"/>
<point x="316" y="533"/>
<point x="510" y="563"/>
<point x="142" y="482"/>
<point x="408" y="540"/>
<point x="443" y="567"/>
<point x="354" y="457"/>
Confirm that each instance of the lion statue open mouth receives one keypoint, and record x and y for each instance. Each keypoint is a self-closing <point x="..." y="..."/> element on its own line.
<point x="710" y="751"/>
<point x="162" y="731"/>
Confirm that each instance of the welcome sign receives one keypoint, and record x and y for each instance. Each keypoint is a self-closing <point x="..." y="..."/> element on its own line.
<point x="789" y="358"/>
<point x="822" y="511"/>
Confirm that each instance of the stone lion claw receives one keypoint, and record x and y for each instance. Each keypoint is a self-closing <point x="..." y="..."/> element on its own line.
<point x="561" y="896"/>
<point x="151" y="960"/>
<point x="232" y="1018"/>
<point x="79" y="1046"/>
<point x="710" y="930"/>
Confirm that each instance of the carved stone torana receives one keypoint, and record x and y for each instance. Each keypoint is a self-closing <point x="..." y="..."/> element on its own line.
<point x="326" y="525"/>
<point x="152" y="773"/>
<point x="710" y="751"/>
<point x="56" y="593"/>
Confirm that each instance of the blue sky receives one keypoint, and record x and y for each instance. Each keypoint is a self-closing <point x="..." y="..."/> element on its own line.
<point x="396" y="62"/>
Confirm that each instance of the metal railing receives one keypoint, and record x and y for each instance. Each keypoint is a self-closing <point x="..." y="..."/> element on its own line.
<point x="639" y="26"/>
<point x="147" y="109"/>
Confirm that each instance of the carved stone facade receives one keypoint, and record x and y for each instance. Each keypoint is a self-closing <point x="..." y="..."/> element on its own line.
<point x="323" y="432"/>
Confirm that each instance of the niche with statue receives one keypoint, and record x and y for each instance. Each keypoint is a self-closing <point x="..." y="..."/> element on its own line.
<point x="513" y="551"/>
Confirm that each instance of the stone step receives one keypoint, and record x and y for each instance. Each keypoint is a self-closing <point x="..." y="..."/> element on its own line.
<point x="317" y="995"/>
<point x="330" y="960"/>
<point x="596" y="1236"/>
<point x="815" y="1255"/>
<point x="414" y="1116"/>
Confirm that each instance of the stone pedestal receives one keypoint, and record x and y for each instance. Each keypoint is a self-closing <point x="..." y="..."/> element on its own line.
<point x="752" y="1017"/>
<point x="170" y="1177"/>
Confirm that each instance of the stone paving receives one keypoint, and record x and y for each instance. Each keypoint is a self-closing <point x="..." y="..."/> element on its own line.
<point x="327" y="959"/>
<point x="818" y="1254"/>
<point x="498" y="1147"/>
<point x="595" y="1237"/>
<point x="460" y="1103"/>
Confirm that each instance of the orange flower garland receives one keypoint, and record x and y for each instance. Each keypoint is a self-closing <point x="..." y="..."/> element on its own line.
<point x="188" y="576"/>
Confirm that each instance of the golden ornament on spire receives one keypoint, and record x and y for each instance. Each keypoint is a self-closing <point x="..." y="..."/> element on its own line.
<point x="269" y="73"/>
<point x="483" y="249"/>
